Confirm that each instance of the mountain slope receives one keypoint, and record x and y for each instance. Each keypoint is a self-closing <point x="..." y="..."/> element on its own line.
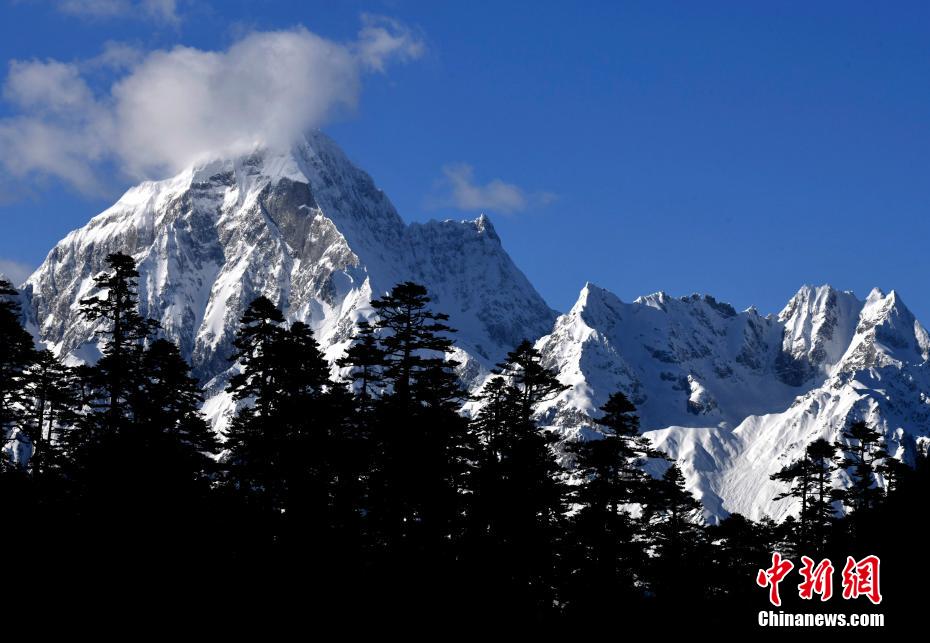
<point x="305" y="228"/>
<point x="688" y="362"/>
<point x="735" y="396"/>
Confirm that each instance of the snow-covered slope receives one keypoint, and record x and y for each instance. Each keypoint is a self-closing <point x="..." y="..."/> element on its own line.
<point x="689" y="362"/>
<point x="735" y="396"/>
<point x="732" y="395"/>
<point x="307" y="229"/>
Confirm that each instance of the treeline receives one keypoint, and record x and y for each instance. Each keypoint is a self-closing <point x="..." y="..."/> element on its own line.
<point x="374" y="495"/>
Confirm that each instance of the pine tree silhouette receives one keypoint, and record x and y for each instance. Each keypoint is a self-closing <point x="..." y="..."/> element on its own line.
<point x="167" y="407"/>
<point x="798" y="475"/>
<point x="365" y="361"/>
<point x="51" y="391"/>
<point x="520" y="498"/>
<point x="860" y="447"/>
<point x="810" y="480"/>
<point x="125" y="332"/>
<point x="130" y="452"/>
<point x="411" y="336"/>
<point x="893" y="471"/>
<point x="309" y="435"/>
<point x="739" y="546"/>
<point x="255" y="436"/>
<point x="676" y="535"/>
<point x="17" y="355"/>
<point x="289" y="467"/>
<point x="380" y="494"/>
<point x="420" y="446"/>
<point x="609" y="468"/>
<point x="257" y="339"/>
<point x="524" y="371"/>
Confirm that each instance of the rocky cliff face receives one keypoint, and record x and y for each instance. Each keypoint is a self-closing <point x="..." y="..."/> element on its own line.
<point x="305" y="228"/>
<point x="692" y="361"/>
<point x="735" y="396"/>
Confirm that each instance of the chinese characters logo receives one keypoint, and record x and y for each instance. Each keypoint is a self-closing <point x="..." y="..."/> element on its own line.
<point x="860" y="578"/>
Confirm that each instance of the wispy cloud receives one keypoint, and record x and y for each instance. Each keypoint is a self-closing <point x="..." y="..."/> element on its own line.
<point x="116" y="56"/>
<point x="17" y="272"/>
<point x="458" y="189"/>
<point x="382" y="39"/>
<point x="168" y="108"/>
<point x="162" y="11"/>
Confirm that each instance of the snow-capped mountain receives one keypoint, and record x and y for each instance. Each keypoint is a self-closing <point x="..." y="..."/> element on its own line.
<point x="305" y="228"/>
<point x="735" y="396"/>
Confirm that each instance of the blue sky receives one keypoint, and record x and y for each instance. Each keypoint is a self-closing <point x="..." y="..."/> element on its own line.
<point x="739" y="149"/>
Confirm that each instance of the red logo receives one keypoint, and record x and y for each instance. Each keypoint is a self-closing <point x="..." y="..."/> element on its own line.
<point x="860" y="578"/>
<point x="772" y="576"/>
<point x="817" y="580"/>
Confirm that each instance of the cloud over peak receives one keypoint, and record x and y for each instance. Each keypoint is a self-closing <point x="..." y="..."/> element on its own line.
<point x="168" y="108"/>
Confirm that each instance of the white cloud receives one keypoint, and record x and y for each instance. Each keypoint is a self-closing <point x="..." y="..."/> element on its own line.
<point x="61" y="129"/>
<point x="164" y="11"/>
<point x="15" y="271"/>
<point x="116" y="55"/>
<point x="496" y="195"/>
<point x="94" y="8"/>
<point x="169" y="108"/>
<point x="382" y="38"/>
<point x="47" y="86"/>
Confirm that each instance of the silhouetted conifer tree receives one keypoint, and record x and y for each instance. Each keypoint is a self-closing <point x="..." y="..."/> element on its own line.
<point x="412" y="336"/>
<point x="672" y="517"/>
<point x="798" y="475"/>
<point x="310" y="436"/>
<point x="365" y="360"/>
<point x="17" y="354"/>
<point x="893" y="471"/>
<point x="258" y="337"/>
<point x="520" y="495"/>
<point x="125" y="332"/>
<point x="736" y="546"/>
<point x="255" y="436"/>
<point x="52" y="398"/>
<point x="167" y="409"/>
<point x="420" y="444"/>
<point x="609" y="467"/>
<point x="810" y="480"/>
<point x="290" y="467"/>
<point x="860" y="447"/>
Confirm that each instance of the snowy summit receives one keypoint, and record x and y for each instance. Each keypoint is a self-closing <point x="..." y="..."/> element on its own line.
<point x="733" y="396"/>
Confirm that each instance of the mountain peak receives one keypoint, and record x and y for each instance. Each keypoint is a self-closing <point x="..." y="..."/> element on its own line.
<point x="269" y="161"/>
<point x="592" y="288"/>
<point x="810" y="298"/>
<point x="875" y="295"/>
<point x="881" y="307"/>
<point x="484" y="226"/>
<point x="593" y="297"/>
<point x="304" y="227"/>
<point x="654" y="300"/>
<point x="307" y="228"/>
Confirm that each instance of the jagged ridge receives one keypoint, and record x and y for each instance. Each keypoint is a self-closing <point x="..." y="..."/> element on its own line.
<point x="307" y="229"/>
<point x="732" y="395"/>
<point x="735" y="396"/>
